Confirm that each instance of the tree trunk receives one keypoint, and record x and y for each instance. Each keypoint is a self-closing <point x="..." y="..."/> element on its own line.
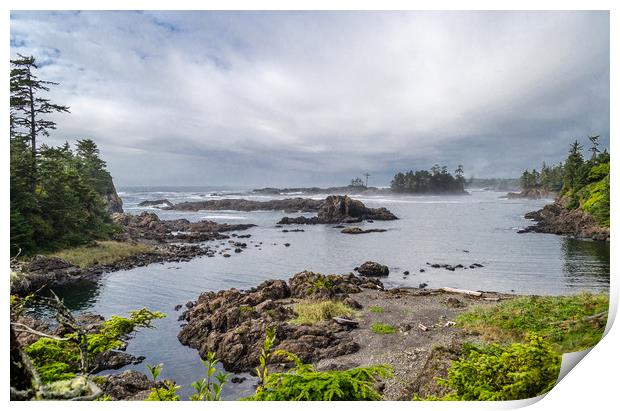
<point x="33" y="134"/>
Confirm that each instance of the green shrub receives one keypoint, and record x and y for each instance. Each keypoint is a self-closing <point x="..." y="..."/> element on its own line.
<point x="502" y="373"/>
<point x="381" y="328"/>
<point x="306" y="384"/>
<point x="561" y="320"/>
<point x="312" y="312"/>
<point x="60" y="360"/>
<point x="376" y="309"/>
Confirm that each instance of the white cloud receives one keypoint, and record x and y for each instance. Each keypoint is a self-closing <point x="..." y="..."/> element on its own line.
<point x="328" y="93"/>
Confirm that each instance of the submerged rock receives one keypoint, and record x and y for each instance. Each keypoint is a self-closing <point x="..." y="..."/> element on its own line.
<point x="358" y="230"/>
<point x="151" y="203"/>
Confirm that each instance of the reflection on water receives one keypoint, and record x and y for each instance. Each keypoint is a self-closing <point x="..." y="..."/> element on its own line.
<point x="585" y="259"/>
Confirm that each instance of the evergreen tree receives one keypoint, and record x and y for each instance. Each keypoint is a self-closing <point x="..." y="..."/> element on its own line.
<point x="28" y="108"/>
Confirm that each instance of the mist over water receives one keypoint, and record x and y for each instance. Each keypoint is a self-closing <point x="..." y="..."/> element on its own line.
<point x="478" y="228"/>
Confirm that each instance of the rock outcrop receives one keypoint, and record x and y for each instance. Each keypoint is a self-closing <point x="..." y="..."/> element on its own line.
<point x="358" y="230"/>
<point x="148" y="226"/>
<point x="152" y="203"/>
<point x="129" y="385"/>
<point x="239" y="204"/>
<point x="373" y="269"/>
<point x="233" y="323"/>
<point x="341" y="209"/>
<point x="533" y="194"/>
<point x="556" y="219"/>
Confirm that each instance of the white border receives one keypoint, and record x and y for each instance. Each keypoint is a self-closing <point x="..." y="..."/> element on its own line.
<point x="591" y="385"/>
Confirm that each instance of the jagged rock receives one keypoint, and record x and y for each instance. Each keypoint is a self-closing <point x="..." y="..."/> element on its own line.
<point x="358" y="230"/>
<point x="341" y="209"/>
<point x="556" y="219"/>
<point x="233" y="323"/>
<point x="373" y="269"/>
<point x="150" y="203"/>
<point x="128" y="385"/>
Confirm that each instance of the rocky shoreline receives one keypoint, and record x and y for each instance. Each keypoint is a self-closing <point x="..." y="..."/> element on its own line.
<point x="557" y="219"/>
<point x="533" y="194"/>
<point x="181" y="240"/>
<point x="233" y="323"/>
<point x="170" y="241"/>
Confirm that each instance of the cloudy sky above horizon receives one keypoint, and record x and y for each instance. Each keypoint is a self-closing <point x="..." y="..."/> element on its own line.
<point x="298" y="98"/>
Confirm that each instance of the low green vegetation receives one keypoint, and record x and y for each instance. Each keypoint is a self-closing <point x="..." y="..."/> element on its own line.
<point x="312" y="312"/>
<point x="375" y="309"/>
<point x="583" y="183"/>
<point x="102" y="252"/>
<point x="569" y="323"/>
<point x="381" y="328"/>
<point x="502" y="372"/>
<point x="306" y="384"/>
<point x="61" y="359"/>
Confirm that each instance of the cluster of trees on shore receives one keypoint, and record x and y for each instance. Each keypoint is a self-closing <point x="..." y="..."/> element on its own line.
<point x="582" y="183"/>
<point x="549" y="178"/>
<point x="435" y="180"/>
<point x="56" y="192"/>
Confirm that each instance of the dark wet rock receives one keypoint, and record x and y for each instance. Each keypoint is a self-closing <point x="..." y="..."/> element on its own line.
<point x="557" y="219"/>
<point x="341" y="209"/>
<point x="406" y="272"/>
<point x="454" y="303"/>
<point x="113" y="202"/>
<point x="358" y="230"/>
<point x="423" y="285"/>
<point x="533" y="194"/>
<point x="151" y="203"/>
<point x="178" y="307"/>
<point x="238" y="380"/>
<point x="233" y="323"/>
<point x="422" y="270"/>
<point x="128" y="385"/>
<point x="240" y="204"/>
<point x="373" y="269"/>
<point x="148" y="227"/>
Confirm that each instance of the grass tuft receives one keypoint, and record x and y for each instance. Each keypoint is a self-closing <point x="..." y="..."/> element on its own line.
<point x="381" y="328"/>
<point x="375" y="309"/>
<point x="312" y="312"/>
<point x="570" y="323"/>
<point x="104" y="252"/>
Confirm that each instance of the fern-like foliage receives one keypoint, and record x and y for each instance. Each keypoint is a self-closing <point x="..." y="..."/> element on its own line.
<point x="304" y="383"/>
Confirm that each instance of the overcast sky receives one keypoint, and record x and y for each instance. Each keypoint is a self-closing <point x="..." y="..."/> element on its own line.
<point x="278" y="98"/>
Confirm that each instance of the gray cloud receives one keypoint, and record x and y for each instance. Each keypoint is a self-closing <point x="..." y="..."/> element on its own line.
<point x="272" y="98"/>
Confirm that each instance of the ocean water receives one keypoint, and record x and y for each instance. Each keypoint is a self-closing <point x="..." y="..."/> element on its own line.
<point x="477" y="228"/>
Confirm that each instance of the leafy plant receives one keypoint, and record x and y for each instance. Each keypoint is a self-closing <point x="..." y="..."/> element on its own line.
<point x="206" y="389"/>
<point x="61" y="358"/>
<point x="376" y="309"/>
<point x="166" y="393"/>
<point x="381" y="328"/>
<point x="502" y="373"/>
<point x="261" y="371"/>
<point x="305" y="383"/>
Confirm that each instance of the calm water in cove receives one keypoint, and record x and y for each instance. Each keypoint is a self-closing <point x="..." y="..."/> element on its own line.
<point x="479" y="228"/>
